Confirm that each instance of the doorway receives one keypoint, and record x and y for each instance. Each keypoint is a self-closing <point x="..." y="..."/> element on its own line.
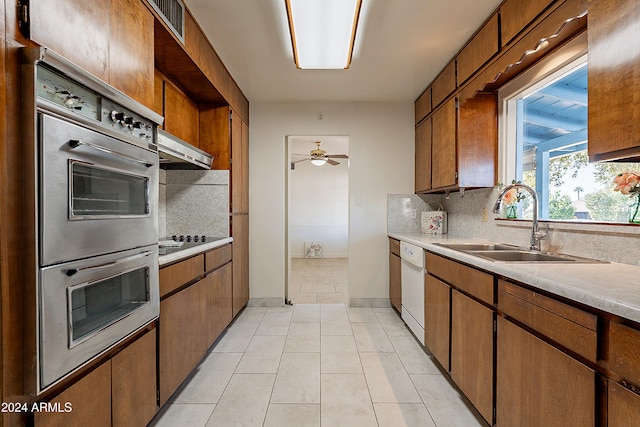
<point x="317" y="219"/>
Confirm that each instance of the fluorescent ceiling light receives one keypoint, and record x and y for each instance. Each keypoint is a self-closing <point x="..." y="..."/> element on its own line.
<point x="323" y="32"/>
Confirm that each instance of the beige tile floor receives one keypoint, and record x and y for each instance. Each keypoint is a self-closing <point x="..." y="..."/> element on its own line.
<point x="319" y="280"/>
<point x="317" y="365"/>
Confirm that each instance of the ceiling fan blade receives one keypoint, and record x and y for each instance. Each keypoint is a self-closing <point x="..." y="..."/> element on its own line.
<point x="301" y="160"/>
<point x="300" y="155"/>
<point x="332" y="162"/>
<point x="337" y="156"/>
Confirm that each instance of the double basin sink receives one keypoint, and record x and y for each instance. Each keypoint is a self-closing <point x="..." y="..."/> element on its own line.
<point x="514" y="254"/>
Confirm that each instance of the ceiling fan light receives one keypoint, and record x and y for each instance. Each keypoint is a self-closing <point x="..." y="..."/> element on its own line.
<point x="318" y="162"/>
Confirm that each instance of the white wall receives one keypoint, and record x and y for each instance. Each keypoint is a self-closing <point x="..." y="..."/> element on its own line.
<point x="381" y="151"/>
<point x="319" y="201"/>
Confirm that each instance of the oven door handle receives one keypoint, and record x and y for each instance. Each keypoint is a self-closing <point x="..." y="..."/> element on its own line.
<point x="71" y="271"/>
<point x="74" y="143"/>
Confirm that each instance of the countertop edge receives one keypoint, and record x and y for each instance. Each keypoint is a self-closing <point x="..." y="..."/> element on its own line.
<point x="588" y="284"/>
<point x="180" y="255"/>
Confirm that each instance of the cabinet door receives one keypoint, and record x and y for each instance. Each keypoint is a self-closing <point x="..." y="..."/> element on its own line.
<point x="538" y="385"/>
<point x="131" y="67"/>
<point x="76" y="29"/>
<point x="423" y="157"/>
<point x="89" y="400"/>
<point x="133" y="382"/>
<point x="239" y="165"/>
<point x="443" y="154"/>
<point x="395" y="284"/>
<point x="437" y="306"/>
<point x="624" y="406"/>
<point x="472" y="351"/>
<point x="614" y="79"/>
<point x="240" y="230"/>
<point x="182" y="336"/>
<point x="219" y="302"/>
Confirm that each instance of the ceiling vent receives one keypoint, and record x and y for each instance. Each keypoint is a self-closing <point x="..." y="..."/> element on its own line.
<point x="172" y="13"/>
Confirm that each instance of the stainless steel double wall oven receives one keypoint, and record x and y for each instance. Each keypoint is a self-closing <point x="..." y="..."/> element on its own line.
<point x="95" y="187"/>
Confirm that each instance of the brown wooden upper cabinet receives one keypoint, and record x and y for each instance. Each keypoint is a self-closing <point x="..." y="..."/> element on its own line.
<point x="444" y="84"/>
<point x="515" y="15"/>
<point x="479" y="50"/>
<point x="125" y="38"/>
<point x="423" y="157"/>
<point x="614" y="80"/>
<point x="423" y="105"/>
<point x="464" y="144"/>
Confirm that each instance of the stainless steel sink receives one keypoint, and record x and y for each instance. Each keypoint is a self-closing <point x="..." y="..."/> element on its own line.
<point x="513" y="254"/>
<point x="530" y="256"/>
<point x="465" y="247"/>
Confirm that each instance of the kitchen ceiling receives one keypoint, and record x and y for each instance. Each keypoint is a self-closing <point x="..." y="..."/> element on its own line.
<point x="401" y="45"/>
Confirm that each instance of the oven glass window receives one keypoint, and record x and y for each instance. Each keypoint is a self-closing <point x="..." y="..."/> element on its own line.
<point x="97" y="192"/>
<point x="96" y="305"/>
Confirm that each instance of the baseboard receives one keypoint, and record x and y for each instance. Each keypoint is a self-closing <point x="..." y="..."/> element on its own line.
<point x="370" y="302"/>
<point x="265" y="302"/>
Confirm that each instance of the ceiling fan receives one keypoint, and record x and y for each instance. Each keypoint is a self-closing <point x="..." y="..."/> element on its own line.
<point x="319" y="157"/>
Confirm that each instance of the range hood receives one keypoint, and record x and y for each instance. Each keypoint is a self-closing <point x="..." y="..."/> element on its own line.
<point x="178" y="154"/>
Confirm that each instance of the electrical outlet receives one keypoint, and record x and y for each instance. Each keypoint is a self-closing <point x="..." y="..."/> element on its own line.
<point x="485" y="215"/>
<point x="413" y="213"/>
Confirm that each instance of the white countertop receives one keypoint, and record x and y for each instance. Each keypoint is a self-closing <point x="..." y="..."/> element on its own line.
<point x="195" y="250"/>
<point x="611" y="287"/>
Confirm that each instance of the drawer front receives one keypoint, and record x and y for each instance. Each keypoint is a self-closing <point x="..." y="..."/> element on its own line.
<point x="624" y="352"/>
<point x="472" y="281"/>
<point x="394" y="246"/>
<point x="217" y="257"/>
<point x="569" y="326"/>
<point x="180" y="273"/>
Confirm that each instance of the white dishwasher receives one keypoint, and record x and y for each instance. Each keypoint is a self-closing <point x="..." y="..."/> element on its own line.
<point x="413" y="288"/>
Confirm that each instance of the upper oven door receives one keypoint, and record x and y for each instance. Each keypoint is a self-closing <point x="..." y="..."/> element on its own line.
<point x="98" y="194"/>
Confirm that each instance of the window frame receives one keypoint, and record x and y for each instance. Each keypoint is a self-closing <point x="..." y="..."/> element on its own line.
<point x="566" y="58"/>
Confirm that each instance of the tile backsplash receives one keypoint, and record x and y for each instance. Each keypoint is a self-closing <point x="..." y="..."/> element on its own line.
<point x="194" y="202"/>
<point x="615" y="242"/>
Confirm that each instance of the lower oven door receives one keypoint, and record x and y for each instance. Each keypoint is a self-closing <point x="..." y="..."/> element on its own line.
<point x="97" y="192"/>
<point x="88" y="306"/>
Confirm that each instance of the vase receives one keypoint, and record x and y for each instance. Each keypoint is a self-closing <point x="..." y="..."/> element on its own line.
<point x="512" y="212"/>
<point x="634" y="210"/>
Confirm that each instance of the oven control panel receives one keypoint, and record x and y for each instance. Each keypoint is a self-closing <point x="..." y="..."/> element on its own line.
<point x="74" y="98"/>
<point x="123" y="120"/>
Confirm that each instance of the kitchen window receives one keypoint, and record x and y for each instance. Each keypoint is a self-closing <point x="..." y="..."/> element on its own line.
<point x="544" y="140"/>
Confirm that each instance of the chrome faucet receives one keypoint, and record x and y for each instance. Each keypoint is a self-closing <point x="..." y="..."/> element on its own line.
<point x="536" y="235"/>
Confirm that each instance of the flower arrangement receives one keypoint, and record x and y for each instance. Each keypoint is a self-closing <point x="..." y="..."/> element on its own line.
<point x="628" y="183"/>
<point x="513" y="196"/>
<point x="510" y="199"/>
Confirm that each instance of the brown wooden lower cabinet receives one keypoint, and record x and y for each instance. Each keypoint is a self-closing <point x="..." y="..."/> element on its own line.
<point x="395" y="281"/>
<point x="240" y="228"/>
<point x="623" y="406"/>
<point x="182" y="336"/>
<point x="133" y="383"/>
<point x="538" y="385"/>
<point x="437" y="306"/>
<point x="472" y="351"/>
<point x="219" y="302"/>
<point x="88" y="402"/>
<point x="194" y="317"/>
